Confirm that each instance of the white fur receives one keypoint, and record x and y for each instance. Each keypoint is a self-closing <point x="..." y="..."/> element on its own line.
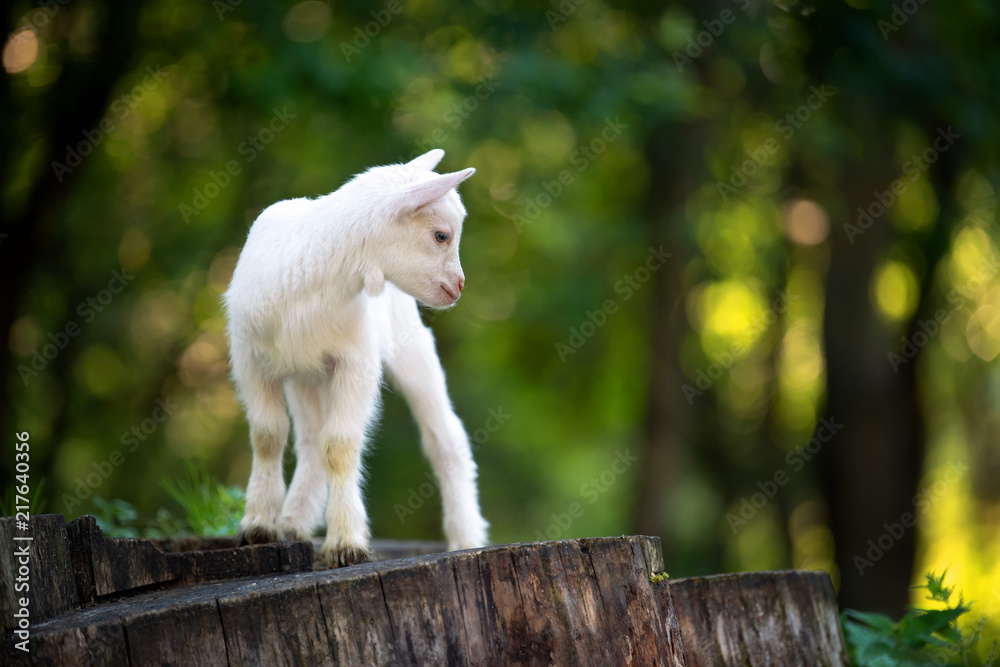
<point x="324" y="296"/>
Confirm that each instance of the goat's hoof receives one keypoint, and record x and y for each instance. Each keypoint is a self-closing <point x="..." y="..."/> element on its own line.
<point x="293" y="535"/>
<point x="346" y="556"/>
<point x="257" y="535"/>
<point x="288" y="532"/>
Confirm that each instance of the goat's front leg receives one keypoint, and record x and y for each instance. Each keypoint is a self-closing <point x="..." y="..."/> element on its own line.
<point x="268" y="435"/>
<point x="353" y="400"/>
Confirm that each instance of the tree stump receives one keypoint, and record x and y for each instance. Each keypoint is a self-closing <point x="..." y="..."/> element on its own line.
<point x="102" y="601"/>
<point x="759" y="618"/>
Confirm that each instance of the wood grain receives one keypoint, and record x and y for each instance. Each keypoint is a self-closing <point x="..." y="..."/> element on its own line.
<point x="570" y="602"/>
<point x="759" y="618"/>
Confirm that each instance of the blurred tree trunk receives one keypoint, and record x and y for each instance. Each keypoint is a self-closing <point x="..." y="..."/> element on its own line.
<point x="74" y="103"/>
<point x="872" y="466"/>
<point x="673" y="156"/>
<point x="872" y="471"/>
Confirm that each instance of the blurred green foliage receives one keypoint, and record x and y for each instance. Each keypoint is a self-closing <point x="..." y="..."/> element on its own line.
<point x="211" y="508"/>
<point x="921" y="637"/>
<point x="118" y="518"/>
<point x="36" y="502"/>
<point x="207" y="506"/>
<point x="757" y="147"/>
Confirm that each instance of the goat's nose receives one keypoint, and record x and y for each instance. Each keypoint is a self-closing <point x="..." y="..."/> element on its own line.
<point x="461" y="284"/>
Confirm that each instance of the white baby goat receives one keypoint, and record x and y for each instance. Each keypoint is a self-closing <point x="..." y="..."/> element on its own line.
<point x="324" y="296"/>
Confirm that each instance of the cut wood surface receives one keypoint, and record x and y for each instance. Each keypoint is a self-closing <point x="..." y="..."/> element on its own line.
<point x="759" y="618"/>
<point x="570" y="602"/>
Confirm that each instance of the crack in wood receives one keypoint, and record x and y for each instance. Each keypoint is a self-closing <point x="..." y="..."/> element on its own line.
<point x="587" y="601"/>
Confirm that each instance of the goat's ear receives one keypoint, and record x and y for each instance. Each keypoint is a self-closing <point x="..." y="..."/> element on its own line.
<point x="427" y="161"/>
<point x="426" y="192"/>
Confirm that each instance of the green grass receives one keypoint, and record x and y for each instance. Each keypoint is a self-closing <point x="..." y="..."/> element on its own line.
<point x="921" y="637"/>
<point x="208" y="507"/>
<point x="211" y="508"/>
<point x="36" y="501"/>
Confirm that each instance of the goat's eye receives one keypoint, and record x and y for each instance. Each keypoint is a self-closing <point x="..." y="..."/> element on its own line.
<point x="442" y="237"/>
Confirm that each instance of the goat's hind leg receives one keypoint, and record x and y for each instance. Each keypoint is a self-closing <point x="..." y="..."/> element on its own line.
<point x="303" y="508"/>
<point x="268" y="421"/>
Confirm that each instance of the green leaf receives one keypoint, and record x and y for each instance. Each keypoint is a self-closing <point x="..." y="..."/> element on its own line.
<point x="879" y="621"/>
<point x="921" y="627"/>
<point x="883" y="661"/>
<point x="867" y="641"/>
<point x="882" y="647"/>
<point x="935" y="586"/>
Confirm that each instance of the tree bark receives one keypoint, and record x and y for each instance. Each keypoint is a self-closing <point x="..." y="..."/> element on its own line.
<point x="569" y="602"/>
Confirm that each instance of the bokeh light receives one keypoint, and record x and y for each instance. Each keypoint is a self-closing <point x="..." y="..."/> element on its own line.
<point x="743" y="158"/>
<point x="806" y="223"/>
<point x="20" y="51"/>
<point x="895" y="291"/>
<point x="307" y="21"/>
